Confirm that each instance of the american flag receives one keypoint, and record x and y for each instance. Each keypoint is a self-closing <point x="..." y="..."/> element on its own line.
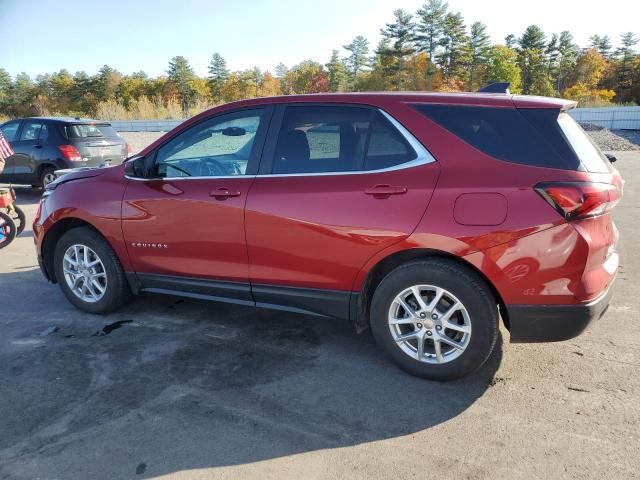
<point x="5" y="147"/>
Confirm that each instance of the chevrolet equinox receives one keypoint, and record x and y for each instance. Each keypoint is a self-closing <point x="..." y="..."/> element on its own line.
<point x="424" y="216"/>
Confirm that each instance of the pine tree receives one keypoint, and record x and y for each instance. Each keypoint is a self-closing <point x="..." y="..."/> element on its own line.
<point x="218" y="75"/>
<point x="181" y="76"/>
<point x="625" y="55"/>
<point x="531" y="58"/>
<point x="400" y="35"/>
<point x="357" y="60"/>
<point x="567" y="55"/>
<point x="479" y="50"/>
<point x="602" y="44"/>
<point x="5" y="85"/>
<point x="429" y="33"/>
<point x="510" y="41"/>
<point x="337" y="72"/>
<point x="455" y="47"/>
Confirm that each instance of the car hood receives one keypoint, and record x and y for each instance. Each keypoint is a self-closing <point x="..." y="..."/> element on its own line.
<point x="70" y="174"/>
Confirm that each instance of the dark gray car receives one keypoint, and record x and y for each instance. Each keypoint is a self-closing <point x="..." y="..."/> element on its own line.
<point x="45" y="144"/>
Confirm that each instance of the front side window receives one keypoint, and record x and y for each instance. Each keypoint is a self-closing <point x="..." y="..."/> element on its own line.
<point x="30" y="130"/>
<point x="324" y="139"/>
<point x="10" y="130"/>
<point x="220" y="146"/>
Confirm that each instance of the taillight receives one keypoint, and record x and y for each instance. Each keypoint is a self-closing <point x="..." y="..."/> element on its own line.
<point x="70" y="152"/>
<point x="574" y="200"/>
<point x="129" y="150"/>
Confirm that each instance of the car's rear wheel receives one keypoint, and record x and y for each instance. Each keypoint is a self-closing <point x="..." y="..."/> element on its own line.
<point x="89" y="272"/>
<point x="435" y="318"/>
<point x="47" y="175"/>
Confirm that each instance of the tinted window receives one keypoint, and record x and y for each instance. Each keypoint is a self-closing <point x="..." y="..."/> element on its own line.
<point x="529" y="137"/>
<point x="220" y="146"/>
<point x="318" y="139"/>
<point x="9" y="130"/>
<point x="90" y="131"/>
<point x="30" y="130"/>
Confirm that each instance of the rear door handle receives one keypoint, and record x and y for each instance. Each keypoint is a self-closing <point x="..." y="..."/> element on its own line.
<point x="223" y="193"/>
<point x="385" y="190"/>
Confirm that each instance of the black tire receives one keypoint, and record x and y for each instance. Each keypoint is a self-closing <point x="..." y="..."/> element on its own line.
<point x="9" y="230"/>
<point x="18" y="217"/>
<point x="469" y="289"/>
<point x="44" y="175"/>
<point x="117" y="289"/>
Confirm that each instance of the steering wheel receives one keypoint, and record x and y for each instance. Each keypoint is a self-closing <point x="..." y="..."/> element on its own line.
<point x="212" y="168"/>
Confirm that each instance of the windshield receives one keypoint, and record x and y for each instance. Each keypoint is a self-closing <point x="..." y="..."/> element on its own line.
<point x="587" y="151"/>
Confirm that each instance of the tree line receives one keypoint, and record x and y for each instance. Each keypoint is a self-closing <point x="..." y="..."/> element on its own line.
<point x="430" y="50"/>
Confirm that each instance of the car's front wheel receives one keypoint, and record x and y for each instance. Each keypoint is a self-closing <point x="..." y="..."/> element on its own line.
<point x="435" y="318"/>
<point x="89" y="272"/>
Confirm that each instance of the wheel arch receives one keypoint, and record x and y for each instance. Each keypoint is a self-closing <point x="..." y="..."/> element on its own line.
<point x="53" y="235"/>
<point x="360" y="305"/>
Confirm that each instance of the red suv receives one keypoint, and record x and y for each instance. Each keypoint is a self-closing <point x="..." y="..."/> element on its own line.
<point x="426" y="217"/>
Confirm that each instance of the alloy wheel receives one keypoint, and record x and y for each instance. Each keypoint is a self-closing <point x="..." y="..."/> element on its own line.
<point x="429" y="324"/>
<point x="84" y="273"/>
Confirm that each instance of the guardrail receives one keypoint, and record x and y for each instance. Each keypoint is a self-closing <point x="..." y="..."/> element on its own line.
<point x="613" y="118"/>
<point x="144" y="125"/>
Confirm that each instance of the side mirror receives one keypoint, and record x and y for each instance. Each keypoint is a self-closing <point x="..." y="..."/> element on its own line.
<point x="134" y="167"/>
<point x="611" y="158"/>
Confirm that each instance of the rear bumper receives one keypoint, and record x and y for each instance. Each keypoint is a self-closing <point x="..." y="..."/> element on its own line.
<point x="554" y="323"/>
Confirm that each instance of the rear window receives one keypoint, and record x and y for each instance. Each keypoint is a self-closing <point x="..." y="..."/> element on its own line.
<point x="586" y="150"/>
<point x="86" y="130"/>
<point x="528" y="136"/>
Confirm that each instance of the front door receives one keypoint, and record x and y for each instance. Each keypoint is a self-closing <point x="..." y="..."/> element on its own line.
<point x="343" y="183"/>
<point x="27" y="148"/>
<point x="184" y="226"/>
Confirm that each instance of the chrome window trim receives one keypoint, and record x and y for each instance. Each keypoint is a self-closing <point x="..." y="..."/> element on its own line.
<point x="424" y="157"/>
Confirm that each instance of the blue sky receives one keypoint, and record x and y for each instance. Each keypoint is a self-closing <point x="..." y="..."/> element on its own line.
<point x="38" y="36"/>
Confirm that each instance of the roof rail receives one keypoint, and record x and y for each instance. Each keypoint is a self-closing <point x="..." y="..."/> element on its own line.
<point x="498" y="87"/>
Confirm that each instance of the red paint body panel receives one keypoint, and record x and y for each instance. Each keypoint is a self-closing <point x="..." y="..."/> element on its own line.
<point x="318" y="231"/>
<point x="322" y="231"/>
<point x="204" y="236"/>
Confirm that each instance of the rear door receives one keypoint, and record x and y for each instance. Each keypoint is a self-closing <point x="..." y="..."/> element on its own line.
<point x="337" y="185"/>
<point x="98" y="143"/>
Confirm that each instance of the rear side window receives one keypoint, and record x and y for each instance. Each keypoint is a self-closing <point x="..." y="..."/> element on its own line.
<point x="528" y="136"/>
<point x="323" y="139"/>
<point x="91" y="131"/>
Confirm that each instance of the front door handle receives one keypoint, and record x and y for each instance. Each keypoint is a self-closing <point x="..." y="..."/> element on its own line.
<point x="223" y="193"/>
<point x="385" y="190"/>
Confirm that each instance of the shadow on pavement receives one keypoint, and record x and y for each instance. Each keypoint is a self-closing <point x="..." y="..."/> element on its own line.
<point x="182" y="384"/>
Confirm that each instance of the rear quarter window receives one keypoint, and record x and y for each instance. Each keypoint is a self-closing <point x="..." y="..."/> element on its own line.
<point x="528" y="137"/>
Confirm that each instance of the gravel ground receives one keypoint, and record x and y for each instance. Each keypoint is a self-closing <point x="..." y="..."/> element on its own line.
<point x="608" y="140"/>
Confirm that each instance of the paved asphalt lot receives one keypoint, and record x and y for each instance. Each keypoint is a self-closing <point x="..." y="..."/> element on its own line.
<point x="192" y="389"/>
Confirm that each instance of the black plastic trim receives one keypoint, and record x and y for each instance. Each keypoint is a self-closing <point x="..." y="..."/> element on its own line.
<point x="314" y="301"/>
<point x="218" y="290"/>
<point x="310" y="301"/>
<point x="554" y="323"/>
